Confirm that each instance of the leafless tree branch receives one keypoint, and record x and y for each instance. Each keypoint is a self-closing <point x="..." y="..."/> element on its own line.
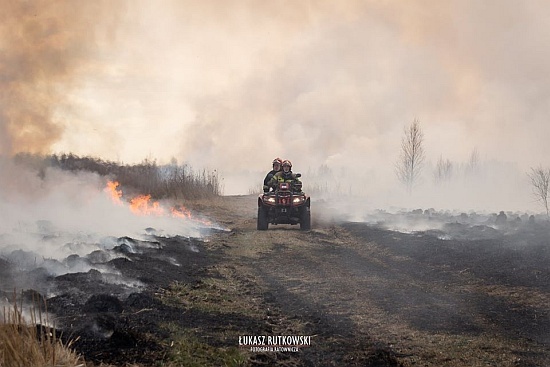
<point x="443" y="170"/>
<point x="540" y="182"/>
<point x="412" y="155"/>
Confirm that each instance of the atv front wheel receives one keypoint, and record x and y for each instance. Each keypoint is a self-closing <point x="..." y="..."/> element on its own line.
<point x="262" y="219"/>
<point x="305" y="219"/>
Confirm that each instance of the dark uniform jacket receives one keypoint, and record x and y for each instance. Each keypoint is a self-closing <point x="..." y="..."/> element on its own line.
<point x="269" y="176"/>
<point x="281" y="176"/>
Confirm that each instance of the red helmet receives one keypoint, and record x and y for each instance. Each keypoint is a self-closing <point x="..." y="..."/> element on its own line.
<point x="277" y="161"/>
<point x="286" y="162"/>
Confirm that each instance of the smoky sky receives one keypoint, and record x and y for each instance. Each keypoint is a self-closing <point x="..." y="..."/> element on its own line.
<point x="232" y="84"/>
<point x="44" y="44"/>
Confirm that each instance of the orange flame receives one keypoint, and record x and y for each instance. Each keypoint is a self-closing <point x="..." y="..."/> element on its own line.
<point x="180" y="212"/>
<point x="113" y="192"/>
<point x="141" y="205"/>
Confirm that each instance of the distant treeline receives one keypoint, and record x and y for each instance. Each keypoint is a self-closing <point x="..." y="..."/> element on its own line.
<point x="160" y="181"/>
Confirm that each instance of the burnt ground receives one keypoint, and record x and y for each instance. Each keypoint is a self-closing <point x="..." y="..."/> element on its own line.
<point x="461" y="292"/>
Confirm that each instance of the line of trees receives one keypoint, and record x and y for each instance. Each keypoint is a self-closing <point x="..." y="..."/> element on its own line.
<point x="160" y="181"/>
<point x="443" y="170"/>
<point x="409" y="166"/>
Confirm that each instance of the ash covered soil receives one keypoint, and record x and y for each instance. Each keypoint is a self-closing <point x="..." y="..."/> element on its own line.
<point x="410" y="289"/>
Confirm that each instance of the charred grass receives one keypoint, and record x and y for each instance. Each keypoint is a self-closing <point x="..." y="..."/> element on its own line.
<point x="226" y="304"/>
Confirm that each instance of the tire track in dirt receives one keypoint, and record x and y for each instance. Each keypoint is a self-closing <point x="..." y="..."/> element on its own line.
<point x="360" y="298"/>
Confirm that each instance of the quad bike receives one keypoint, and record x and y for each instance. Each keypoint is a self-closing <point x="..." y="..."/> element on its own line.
<point x="286" y="205"/>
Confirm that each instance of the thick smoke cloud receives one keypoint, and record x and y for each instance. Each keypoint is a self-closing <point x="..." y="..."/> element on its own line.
<point x="345" y="85"/>
<point x="230" y="85"/>
<point x="44" y="45"/>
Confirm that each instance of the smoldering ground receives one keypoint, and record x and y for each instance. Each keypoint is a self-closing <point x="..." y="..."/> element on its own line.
<point x="73" y="258"/>
<point x="54" y="222"/>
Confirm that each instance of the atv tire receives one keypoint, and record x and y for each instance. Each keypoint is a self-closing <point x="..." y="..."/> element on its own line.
<point x="305" y="219"/>
<point x="262" y="219"/>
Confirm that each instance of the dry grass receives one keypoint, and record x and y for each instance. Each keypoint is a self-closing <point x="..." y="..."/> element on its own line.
<point x="27" y="343"/>
<point x="173" y="181"/>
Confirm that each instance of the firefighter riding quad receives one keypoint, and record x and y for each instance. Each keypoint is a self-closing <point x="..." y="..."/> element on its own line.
<point x="286" y="205"/>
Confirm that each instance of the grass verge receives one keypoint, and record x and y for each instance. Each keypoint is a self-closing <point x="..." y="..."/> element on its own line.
<point x="31" y="344"/>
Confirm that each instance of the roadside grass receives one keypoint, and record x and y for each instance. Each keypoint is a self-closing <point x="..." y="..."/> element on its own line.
<point x="235" y="305"/>
<point x="221" y="298"/>
<point x="212" y="295"/>
<point x="188" y="350"/>
<point x="28" y="343"/>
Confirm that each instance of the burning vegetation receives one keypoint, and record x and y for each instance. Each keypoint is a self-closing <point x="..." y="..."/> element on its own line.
<point x="142" y="205"/>
<point x="74" y="244"/>
<point x="168" y="181"/>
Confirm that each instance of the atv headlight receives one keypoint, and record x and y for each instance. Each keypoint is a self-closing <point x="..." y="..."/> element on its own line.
<point x="298" y="200"/>
<point x="270" y="200"/>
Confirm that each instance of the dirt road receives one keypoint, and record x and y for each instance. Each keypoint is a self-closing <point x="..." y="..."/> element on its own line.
<point x="457" y="293"/>
<point x="371" y="296"/>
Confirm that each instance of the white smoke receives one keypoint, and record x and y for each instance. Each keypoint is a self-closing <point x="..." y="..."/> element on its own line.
<point x="57" y="220"/>
<point x="231" y="85"/>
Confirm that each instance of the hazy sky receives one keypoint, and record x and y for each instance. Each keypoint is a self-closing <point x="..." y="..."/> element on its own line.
<point x="232" y="84"/>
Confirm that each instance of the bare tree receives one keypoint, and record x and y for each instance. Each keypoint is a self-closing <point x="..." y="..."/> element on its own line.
<point x="443" y="170"/>
<point x="411" y="159"/>
<point x="540" y="181"/>
<point x="473" y="162"/>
